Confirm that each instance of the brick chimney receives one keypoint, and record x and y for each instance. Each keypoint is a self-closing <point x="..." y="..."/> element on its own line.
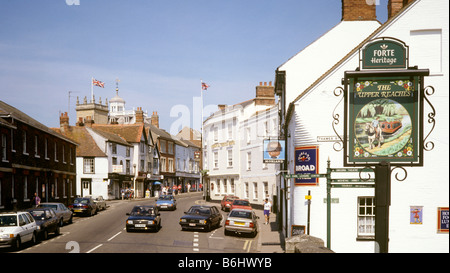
<point x="80" y="122"/>
<point x="394" y="6"/>
<point x="139" y="115"/>
<point x="88" y="121"/>
<point x="155" y="119"/>
<point x="359" y="10"/>
<point x="222" y="107"/>
<point x="265" y="94"/>
<point x="64" y="122"/>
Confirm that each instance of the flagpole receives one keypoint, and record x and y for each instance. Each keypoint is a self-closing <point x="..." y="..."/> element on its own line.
<point x="92" y="89"/>
<point x="201" y="140"/>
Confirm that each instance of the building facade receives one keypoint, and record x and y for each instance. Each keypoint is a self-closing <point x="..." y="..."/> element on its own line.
<point x="424" y="190"/>
<point x="35" y="159"/>
<point x="233" y="148"/>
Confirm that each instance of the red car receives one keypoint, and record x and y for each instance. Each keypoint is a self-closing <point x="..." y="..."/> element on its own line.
<point x="240" y="204"/>
<point x="227" y="201"/>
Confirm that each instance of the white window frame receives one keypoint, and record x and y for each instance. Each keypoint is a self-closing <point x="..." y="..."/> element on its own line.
<point x="366" y="217"/>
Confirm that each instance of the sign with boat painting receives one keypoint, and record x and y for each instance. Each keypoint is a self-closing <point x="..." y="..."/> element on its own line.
<point x="383" y="119"/>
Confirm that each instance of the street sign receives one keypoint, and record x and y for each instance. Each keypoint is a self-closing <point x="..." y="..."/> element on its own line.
<point x="353" y="185"/>
<point x="353" y="180"/>
<point x="305" y="175"/>
<point x="354" y="170"/>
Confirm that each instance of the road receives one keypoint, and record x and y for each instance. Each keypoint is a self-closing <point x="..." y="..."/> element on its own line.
<point x="105" y="233"/>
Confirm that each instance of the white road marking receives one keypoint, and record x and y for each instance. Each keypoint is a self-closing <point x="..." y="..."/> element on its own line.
<point x="114" y="236"/>
<point x="94" y="248"/>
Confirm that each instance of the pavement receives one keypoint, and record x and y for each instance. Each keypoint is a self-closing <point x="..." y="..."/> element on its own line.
<point x="270" y="239"/>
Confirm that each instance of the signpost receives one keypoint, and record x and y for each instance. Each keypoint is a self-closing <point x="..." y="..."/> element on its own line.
<point x="334" y="183"/>
<point x="383" y="120"/>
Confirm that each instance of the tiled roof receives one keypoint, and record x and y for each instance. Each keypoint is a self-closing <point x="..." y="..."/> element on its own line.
<point x="132" y="133"/>
<point x="6" y="109"/>
<point x="87" y="146"/>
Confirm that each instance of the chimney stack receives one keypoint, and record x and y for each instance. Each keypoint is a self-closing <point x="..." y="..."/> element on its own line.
<point x="88" y="121"/>
<point x="359" y="10"/>
<point x="64" y="122"/>
<point x="80" y="122"/>
<point x="222" y="106"/>
<point x="139" y="115"/>
<point x="155" y="119"/>
<point x="394" y="6"/>
<point x="265" y="94"/>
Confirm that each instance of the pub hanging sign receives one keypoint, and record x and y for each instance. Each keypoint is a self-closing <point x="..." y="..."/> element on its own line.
<point x="384" y="119"/>
<point x="384" y="107"/>
<point x="385" y="53"/>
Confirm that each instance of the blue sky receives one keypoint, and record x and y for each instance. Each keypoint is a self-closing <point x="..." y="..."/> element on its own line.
<point x="160" y="50"/>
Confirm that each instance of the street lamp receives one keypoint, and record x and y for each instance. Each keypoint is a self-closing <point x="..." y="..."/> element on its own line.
<point x="134" y="181"/>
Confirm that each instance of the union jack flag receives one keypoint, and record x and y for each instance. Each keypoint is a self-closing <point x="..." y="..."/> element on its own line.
<point x="204" y="86"/>
<point x="98" y="83"/>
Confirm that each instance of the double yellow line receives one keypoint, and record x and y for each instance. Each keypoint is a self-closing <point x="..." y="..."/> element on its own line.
<point x="247" y="245"/>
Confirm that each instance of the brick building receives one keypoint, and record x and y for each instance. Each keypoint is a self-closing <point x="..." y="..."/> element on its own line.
<point x="35" y="159"/>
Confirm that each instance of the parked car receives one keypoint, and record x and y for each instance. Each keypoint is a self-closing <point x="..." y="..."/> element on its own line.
<point x="143" y="218"/>
<point x="46" y="221"/>
<point x="84" y="205"/>
<point x="166" y="202"/>
<point x="241" y="221"/>
<point x="240" y="204"/>
<point x="61" y="210"/>
<point x="226" y="202"/>
<point x="100" y="202"/>
<point x="201" y="217"/>
<point x="17" y="228"/>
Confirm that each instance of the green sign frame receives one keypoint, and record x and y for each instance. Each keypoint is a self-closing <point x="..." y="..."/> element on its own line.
<point x="384" y="117"/>
<point x="385" y="53"/>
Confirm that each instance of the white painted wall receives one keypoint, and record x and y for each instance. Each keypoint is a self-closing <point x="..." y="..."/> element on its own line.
<point x="424" y="27"/>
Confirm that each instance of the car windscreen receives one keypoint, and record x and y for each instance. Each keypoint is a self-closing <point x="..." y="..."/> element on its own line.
<point x="81" y="201"/>
<point x="241" y="203"/>
<point x="8" y="220"/>
<point x="143" y="211"/>
<point x="38" y="214"/>
<point x="241" y="214"/>
<point x="199" y="210"/>
<point x="165" y="197"/>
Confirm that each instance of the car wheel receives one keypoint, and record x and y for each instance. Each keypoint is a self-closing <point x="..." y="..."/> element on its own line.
<point x="45" y="235"/>
<point x="33" y="239"/>
<point x="71" y="220"/>
<point x="61" y="222"/>
<point x="17" y="243"/>
<point x="58" y="230"/>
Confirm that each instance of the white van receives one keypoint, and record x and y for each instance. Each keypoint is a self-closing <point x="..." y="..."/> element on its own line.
<point x="17" y="228"/>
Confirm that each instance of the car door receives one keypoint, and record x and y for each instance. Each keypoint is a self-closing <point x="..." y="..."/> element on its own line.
<point x="52" y="219"/>
<point x="26" y="230"/>
<point x="65" y="212"/>
<point x="216" y="215"/>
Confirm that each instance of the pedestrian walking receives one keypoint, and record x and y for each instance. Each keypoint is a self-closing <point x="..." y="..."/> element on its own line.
<point x="267" y="208"/>
<point x="36" y="200"/>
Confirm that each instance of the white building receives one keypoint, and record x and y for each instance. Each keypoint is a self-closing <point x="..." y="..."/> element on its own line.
<point x="186" y="164"/>
<point x="233" y="148"/>
<point x="423" y="26"/>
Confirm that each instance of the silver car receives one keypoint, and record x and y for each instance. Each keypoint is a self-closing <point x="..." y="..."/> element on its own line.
<point x="64" y="214"/>
<point x="241" y="221"/>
